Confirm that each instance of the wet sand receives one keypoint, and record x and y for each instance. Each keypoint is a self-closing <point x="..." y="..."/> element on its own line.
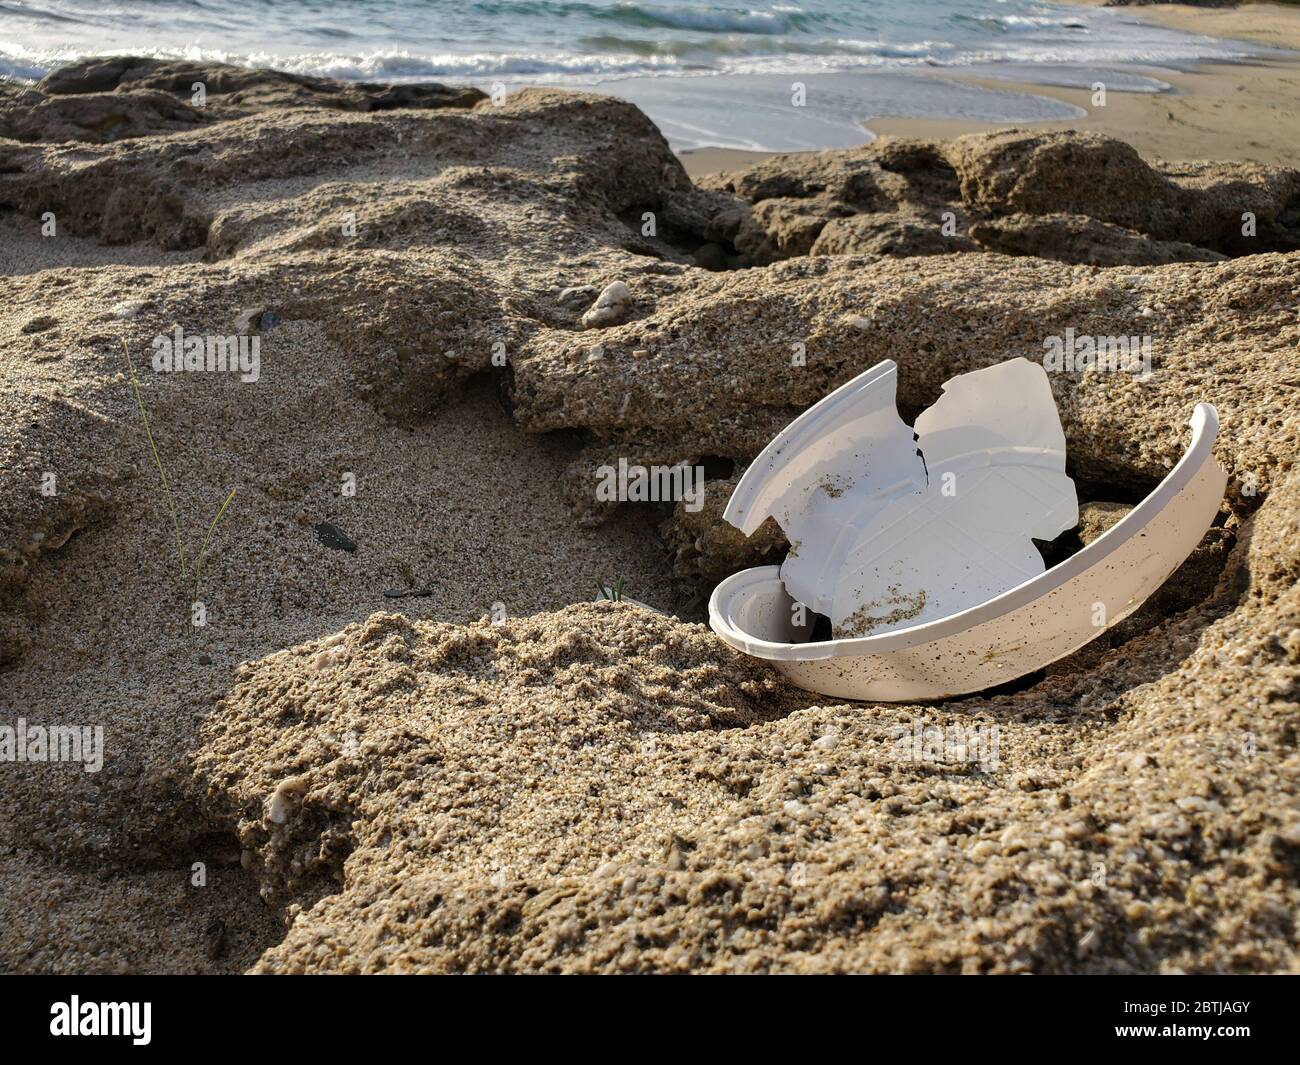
<point x="1248" y="111"/>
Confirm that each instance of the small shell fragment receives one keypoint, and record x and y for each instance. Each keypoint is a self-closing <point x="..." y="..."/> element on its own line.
<point x="285" y="795"/>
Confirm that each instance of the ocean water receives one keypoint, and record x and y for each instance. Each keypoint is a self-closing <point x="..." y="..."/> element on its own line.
<point x="708" y="73"/>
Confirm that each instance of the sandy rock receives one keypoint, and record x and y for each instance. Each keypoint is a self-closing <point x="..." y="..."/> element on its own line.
<point x="248" y="89"/>
<point x="1080" y="239"/>
<point x="706" y="214"/>
<point x="94" y="75"/>
<point x="171" y="190"/>
<point x="711" y="256"/>
<point x="98" y="118"/>
<point x="778" y="229"/>
<point x="851" y="177"/>
<point x="61" y="465"/>
<point x="1064" y="195"/>
<point x="415" y="350"/>
<point x="792" y="197"/>
<point x="706" y="546"/>
<point x="1094" y="175"/>
<point x="727" y="380"/>
<point x="1097" y="517"/>
<point x="886" y="234"/>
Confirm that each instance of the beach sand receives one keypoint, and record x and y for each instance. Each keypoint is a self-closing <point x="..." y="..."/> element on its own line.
<point x="1221" y="111"/>
<point x="498" y="774"/>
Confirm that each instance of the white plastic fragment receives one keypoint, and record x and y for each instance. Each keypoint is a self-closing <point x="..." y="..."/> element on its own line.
<point x="933" y="594"/>
<point x="891" y="528"/>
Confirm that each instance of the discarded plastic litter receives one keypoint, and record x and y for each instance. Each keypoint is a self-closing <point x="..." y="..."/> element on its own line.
<point x="919" y="547"/>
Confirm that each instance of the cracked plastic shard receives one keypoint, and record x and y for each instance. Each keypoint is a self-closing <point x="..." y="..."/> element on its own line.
<point x="849" y="483"/>
<point x="898" y="528"/>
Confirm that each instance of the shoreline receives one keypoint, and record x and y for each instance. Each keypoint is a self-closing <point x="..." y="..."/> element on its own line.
<point x="1246" y="111"/>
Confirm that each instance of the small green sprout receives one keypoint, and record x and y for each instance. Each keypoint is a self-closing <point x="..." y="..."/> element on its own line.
<point x="613" y="594"/>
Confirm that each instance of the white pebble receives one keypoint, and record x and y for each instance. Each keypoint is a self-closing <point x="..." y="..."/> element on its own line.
<point x="827" y="742"/>
<point x="287" y="791"/>
<point x="610" y="307"/>
<point x="330" y="657"/>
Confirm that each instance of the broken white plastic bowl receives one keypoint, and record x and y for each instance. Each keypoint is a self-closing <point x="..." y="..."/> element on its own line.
<point x="1006" y="637"/>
